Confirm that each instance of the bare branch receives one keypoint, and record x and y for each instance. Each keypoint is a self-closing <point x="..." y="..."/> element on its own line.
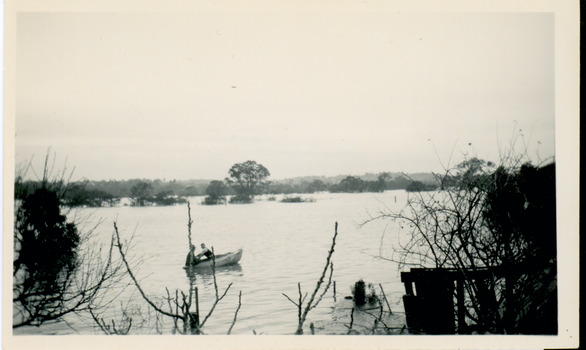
<point x="303" y="311"/>
<point x="218" y="299"/>
<point x="291" y="300"/>
<point x="236" y="313"/>
<point x="131" y="274"/>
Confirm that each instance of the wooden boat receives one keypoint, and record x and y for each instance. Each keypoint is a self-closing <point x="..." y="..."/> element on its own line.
<point x="221" y="260"/>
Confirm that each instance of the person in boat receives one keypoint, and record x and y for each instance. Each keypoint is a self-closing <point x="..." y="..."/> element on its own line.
<point x="190" y="259"/>
<point x="204" y="254"/>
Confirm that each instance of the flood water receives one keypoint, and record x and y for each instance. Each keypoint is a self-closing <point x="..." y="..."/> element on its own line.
<point x="283" y="244"/>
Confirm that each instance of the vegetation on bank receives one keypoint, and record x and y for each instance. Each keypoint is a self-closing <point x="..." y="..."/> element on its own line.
<point x="297" y="200"/>
<point x="418" y="186"/>
<point x="144" y="192"/>
<point x="110" y="193"/>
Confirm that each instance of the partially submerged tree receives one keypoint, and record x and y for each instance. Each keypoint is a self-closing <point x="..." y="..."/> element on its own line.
<point x="352" y="184"/>
<point x="80" y="195"/>
<point x="216" y="193"/>
<point x="247" y="179"/>
<point x="166" y="198"/>
<point x="140" y="193"/>
<point x="417" y="186"/>
<point x="382" y="182"/>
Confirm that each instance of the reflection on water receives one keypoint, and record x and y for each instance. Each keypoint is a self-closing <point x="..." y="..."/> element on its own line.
<point x="205" y="272"/>
<point x="284" y="244"/>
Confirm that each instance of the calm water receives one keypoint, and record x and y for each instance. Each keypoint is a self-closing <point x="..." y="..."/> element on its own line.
<point x="284" y="243"/>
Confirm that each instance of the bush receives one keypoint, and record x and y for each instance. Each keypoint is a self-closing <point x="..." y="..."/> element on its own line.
<point x="296" y="200"/>
<point x="209" y="200"/>
<point x="360" y="295"/>
<point x="53" y="275"/>
<point x="417" y="186"/>
<point x="241" y="199"/>
<point x="216" y="193"/>
<point x="46" y="243"/>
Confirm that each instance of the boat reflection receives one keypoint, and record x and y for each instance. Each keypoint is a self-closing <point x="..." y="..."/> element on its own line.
<point x="206" y="272"/>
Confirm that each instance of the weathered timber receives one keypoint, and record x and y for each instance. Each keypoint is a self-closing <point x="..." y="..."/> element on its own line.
<point x="430" y="308"/>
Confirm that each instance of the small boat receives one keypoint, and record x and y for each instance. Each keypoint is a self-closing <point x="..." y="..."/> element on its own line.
<point x="221" y="260"/>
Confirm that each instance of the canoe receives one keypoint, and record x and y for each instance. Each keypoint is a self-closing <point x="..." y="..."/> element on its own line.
<point x="221" y="260"/>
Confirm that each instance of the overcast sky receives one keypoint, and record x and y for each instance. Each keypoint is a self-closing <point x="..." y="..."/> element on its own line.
<point x="187" y="95"/>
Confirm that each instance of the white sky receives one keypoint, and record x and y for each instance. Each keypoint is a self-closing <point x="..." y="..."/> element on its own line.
<point x="187" y="95"/>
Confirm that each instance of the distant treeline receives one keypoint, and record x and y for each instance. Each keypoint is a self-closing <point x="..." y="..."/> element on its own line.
<point x="351" y="184"/>
<point x="348" y="184"/>
<point x="142" y="192"/>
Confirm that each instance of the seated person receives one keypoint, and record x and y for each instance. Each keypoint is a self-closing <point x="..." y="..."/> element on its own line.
<point x="190" y="259"/>
<point x="205" y="253"/>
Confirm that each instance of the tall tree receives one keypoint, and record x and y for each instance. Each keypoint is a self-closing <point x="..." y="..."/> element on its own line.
<point x="247" y="179"/>
<point x="351" y="184"/>
<point x="140" y="193"/>
<point x="382" y="180"/>
<point x="216" y="193"/>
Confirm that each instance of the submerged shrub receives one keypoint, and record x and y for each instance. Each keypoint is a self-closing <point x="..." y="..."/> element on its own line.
<point x="359" y="293"/>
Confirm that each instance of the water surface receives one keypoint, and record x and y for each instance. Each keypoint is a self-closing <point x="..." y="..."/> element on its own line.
<point x="283" y="243"/>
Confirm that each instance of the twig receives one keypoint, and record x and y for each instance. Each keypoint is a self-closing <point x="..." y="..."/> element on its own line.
<point x="327" y="285"/>
<point x="99" y="322"/>
<point x="214" y="272"/>
<point x="378" y="319"/>
<point x="214" y="305"/>
<point x="385" y="298"/>
<point x="319" y="282"/>
<point x="189" y="223"/>
<point x="142" y="293"/>
<point x="157" y="322"/>
<point x="334" y="291"/>
<point x="236" y="313"/>
<point x="301" y="300"/>
<point x="302" y="312"/>
<point x="351" y="321"/>
<point x="291" y="300"/>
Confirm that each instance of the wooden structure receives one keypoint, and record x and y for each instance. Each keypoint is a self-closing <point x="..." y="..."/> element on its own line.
<point x="430" y="307"/>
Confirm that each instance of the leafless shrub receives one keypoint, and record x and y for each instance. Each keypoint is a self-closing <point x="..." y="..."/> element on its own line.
<point x="303" y="310"/>
<point x="483" y="217"/>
